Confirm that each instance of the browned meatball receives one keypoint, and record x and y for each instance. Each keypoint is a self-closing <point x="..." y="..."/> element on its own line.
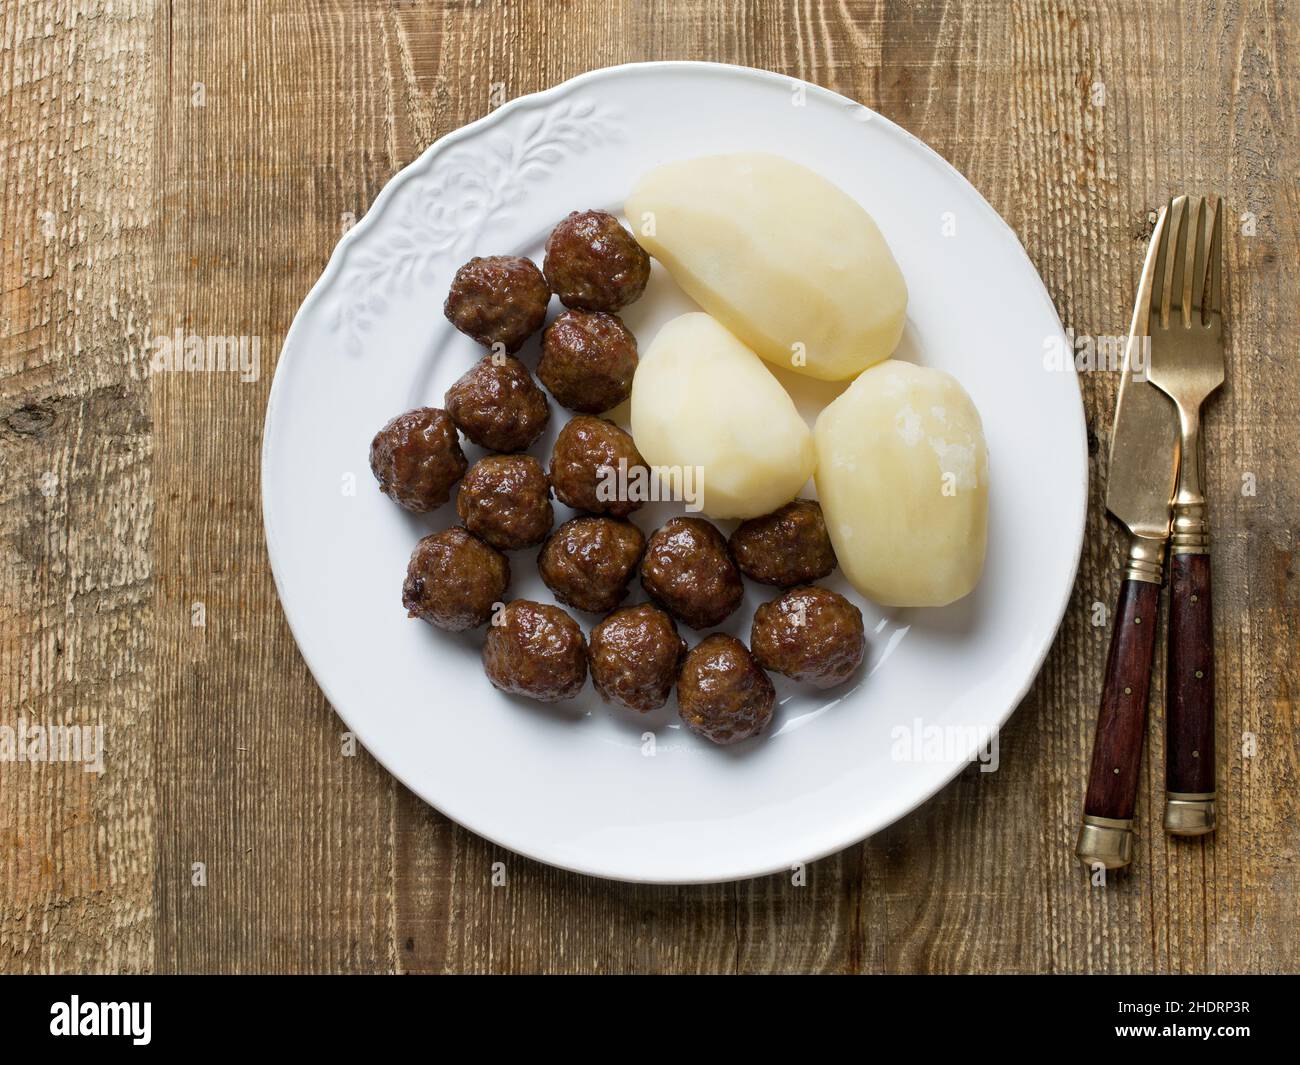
<point x="722" y="693"/>
<point x="787" y="547"/>
<point x="536" y="650"/>
<point x="593" y="263"/>
<point x="588" y="359"/>
<point x="688" y="572"/>
<point x="810" y="634"/>
<point x="417" y="458"/>
<point x="498" y="300"/>
<point x="588" y="561"/>
<point x="498" y="405"/>
<point x="454" y="579"/>
<point x="586" y="470"/>
<point x="505" y="499"/>
<point x="634" y="657"/>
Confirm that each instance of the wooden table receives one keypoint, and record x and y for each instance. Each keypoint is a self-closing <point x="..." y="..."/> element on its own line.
<point x="191" y="166"/>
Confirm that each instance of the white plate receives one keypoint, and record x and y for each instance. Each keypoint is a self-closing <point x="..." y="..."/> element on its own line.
<point x="575" y="785"/>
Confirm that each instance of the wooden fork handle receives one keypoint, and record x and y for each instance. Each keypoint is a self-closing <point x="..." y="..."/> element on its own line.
<point x="1189" y="699"/>
<point x="1106" y="837"/>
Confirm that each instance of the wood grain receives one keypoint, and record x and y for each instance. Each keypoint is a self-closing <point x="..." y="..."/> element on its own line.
<point x="77" y="647"/>
<point x="1122" y="720"/>
<point x="1189" y="684"/>
<point x="191" y="166"/>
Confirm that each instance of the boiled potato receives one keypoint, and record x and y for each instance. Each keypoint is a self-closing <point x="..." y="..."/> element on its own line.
<point x="700" y="398"/>
<point x="784" y="259"/>
<point x="902" y="474"/>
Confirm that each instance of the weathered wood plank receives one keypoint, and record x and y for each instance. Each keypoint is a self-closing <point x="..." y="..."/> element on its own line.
<point x="76" y="493"/>
<point x="262" y="155"/>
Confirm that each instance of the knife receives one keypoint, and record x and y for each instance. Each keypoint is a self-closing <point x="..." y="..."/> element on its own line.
<point x="1139" y="492"/>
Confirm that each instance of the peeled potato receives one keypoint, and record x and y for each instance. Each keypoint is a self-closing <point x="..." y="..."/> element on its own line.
<point x="784" y="259"/>
<point x="700" y="398"/>
<point x="902" y="474"/>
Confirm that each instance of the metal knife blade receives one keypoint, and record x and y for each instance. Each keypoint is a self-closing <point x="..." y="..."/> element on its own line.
<point x="1143" y="470"/>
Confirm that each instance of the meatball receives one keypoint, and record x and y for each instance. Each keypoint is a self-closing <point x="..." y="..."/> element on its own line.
<point x="810" y="634"/>
<point x="417" y="458"/>
<point x="588" y="561"/>
<point x="594" y="465"/>
<point x="536" y="650"/>
<point x="498" y="405"/>
<point x="722" y="693"/>
<point x="454" y="579"/>
<point x="787" y="547"/>
<point x="634" y="655"/>
<point x="498" y="300"/>
<point x="594" y="264"/>
<point x="688" y="572"/>
<point x="506" y="500"/>
<point x="588" y="359"/>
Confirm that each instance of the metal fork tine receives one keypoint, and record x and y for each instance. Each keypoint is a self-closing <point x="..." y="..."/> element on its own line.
<point x="1178" y="271"/>
<point x="1194" y="299"/>
<point x="1168" y="258"/>
<point x="1214" y="300"/>
<point x="1159" y="289"/>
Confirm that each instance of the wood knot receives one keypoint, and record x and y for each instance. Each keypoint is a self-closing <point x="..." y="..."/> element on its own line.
<point x="31" y="420"/>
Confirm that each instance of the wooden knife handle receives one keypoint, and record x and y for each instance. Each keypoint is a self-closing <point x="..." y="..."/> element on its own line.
<point x="1107" y="835"/>
<point x="1189" y="699"/>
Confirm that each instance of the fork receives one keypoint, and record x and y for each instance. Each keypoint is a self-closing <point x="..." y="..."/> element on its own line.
<point x="1186" y="363"/>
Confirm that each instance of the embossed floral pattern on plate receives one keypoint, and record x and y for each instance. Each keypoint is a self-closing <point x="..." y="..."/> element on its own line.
<point x="442" y="211"/>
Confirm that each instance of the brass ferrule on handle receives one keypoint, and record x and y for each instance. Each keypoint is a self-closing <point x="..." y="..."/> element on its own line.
<point x="1188" y="814"/>
<point x="1105" y="841"/>
<point x="1190" y="532"/>
<point x="1146" y="560"/>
